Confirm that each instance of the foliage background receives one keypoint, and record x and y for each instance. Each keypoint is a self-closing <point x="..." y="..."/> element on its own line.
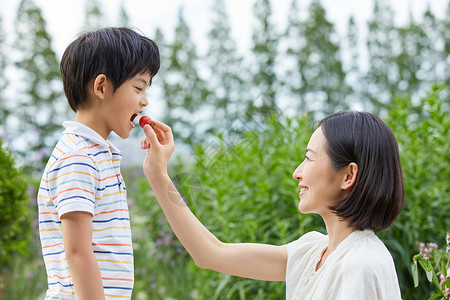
<point x="242" y="123"/>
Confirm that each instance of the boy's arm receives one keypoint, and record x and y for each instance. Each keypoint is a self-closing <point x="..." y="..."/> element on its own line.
<point x="84" y="269"/>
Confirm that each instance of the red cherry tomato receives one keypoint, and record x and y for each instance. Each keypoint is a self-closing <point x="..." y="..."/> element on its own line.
<point x="146" y="120"/>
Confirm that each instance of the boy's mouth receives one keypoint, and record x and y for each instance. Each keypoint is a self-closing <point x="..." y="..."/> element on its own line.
<point x="132" y="119"/>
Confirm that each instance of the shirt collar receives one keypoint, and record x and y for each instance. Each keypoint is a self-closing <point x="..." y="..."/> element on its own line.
<point x="80" y="129"/>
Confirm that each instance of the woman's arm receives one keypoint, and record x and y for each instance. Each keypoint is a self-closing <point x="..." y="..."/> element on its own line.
<point x="256" y="261"/>
<point x="84" y="269"/>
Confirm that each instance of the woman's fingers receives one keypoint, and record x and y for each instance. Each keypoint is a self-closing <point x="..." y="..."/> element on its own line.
<point x="164" y="131"/>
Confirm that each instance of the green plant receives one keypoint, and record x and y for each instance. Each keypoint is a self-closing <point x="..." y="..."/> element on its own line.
<point x="13" y="202"/>
<point x="435" y="262"/>
<point x="160" y="261"/>
<point x="422" y="130"/>
<point x="243" y="191"/>
<point x="239" y="184"/>
<point x="15" y="217"/>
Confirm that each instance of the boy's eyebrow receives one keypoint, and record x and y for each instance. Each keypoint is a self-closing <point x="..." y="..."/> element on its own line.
<point x="142" y="80"/>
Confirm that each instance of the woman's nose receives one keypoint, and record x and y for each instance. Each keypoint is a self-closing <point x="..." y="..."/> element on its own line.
<point x="298" y="172"/>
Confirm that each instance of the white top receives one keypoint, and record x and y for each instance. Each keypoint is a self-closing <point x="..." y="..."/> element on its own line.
<point x="361" y="267"/>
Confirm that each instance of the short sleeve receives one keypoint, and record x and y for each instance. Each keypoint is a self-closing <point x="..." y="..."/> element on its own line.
<point x="72" y="182"/>
<point x="304" y="243"/>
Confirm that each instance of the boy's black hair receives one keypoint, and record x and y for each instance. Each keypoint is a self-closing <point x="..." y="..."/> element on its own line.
<point x="378" y="195"/>
<point x="118" y="53"/>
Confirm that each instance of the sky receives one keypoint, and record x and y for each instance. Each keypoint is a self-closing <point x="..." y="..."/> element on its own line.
<point x="65" y="19"/>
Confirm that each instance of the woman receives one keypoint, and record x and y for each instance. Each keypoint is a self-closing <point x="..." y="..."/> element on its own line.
<point x="351" y="177"/>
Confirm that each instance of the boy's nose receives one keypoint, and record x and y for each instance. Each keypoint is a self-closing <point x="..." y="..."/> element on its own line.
<point x="144" y="101"/>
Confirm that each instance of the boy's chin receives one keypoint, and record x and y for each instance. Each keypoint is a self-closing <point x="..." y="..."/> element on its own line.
<point x="123" y="135"/>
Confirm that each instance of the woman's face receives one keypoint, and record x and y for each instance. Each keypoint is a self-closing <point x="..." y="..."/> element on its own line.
<point x="320" y="184"/>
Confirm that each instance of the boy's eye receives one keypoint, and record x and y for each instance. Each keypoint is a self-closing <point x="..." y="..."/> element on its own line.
<point x="306" y="157"/>
<point x="139" y="89"/>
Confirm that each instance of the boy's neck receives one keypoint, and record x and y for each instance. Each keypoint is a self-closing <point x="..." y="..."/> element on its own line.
<point x="92" y="120"/>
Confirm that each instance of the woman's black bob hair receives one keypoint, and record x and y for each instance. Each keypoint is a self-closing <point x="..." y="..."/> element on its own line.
<point x="378" y="195"/>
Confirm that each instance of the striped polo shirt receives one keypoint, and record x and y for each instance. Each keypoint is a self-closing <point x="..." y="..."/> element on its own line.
<point x="83" y="174"/>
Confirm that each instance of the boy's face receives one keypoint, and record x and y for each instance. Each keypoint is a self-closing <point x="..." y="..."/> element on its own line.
<point x="125" y="104"/>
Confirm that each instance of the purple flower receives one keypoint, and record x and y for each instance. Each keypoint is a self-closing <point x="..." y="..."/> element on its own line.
<point x="158" y="242"/>
<point x="167" y="240"/>
<point x="42" y="153"/>
<point x="428" y="250"/>
<point x="443" y="278"/>
<point x="433" y="245"/>
<point x="31" y="191"/>
<point x="130" y="202"/>
<point x="137" y="172"/>
<point x="448" y="242"/>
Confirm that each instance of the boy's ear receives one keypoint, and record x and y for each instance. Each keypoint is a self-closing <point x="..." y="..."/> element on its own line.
<point x="100" y="86"/>
<point x="350" y="176"/>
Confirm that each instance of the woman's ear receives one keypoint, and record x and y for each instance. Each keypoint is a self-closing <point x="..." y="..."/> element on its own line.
<point x="351" y="171"/>
<point x="100" y="86"/>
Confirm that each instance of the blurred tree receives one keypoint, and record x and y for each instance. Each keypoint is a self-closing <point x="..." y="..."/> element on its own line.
<point x="3" y="80"/>
<point x="294" y="75"/>
<point x="436" y="59"/>
<point x="15" y="219"/>
<point x="227" y="71"/>
<point x="382" y="72"/>
<point x="409" y="57"/>
<point x="124" y="19"/>
<point x="323" y="73"/>
<point x="184" y="91"/>
<point x="265" y="41"/>
<point x="445" y="33"/>
<point x="94" y="17"/>
<point x="353" y="69"/>
<point x="40" y="109"/>
<point x="403" y="60"/>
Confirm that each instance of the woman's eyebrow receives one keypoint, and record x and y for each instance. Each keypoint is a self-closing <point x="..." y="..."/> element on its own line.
<point x="310" y="150"/>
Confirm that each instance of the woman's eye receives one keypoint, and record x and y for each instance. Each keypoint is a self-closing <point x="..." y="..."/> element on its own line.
<point x="306" y="157"/>
<point x="139" y="89"/>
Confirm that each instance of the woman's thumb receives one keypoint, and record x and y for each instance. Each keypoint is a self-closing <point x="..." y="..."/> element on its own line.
<point x="150" y="134"/>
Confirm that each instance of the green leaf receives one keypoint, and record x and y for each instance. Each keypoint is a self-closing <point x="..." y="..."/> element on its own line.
<point x="415" y="273"/>
<point x="435" y="296"/>
<point x="429" y="270"/>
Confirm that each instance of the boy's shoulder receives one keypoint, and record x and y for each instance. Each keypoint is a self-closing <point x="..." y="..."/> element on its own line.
<point x="79" y="142"/>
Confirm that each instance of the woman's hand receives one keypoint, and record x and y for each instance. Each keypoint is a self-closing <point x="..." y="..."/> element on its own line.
<point x="160" y="146"/>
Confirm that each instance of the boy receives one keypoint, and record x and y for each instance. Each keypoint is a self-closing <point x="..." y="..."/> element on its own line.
<point x="84" y="224"/>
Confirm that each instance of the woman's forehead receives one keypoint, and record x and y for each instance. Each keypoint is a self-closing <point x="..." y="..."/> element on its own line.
<point x="317" y="141"/>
